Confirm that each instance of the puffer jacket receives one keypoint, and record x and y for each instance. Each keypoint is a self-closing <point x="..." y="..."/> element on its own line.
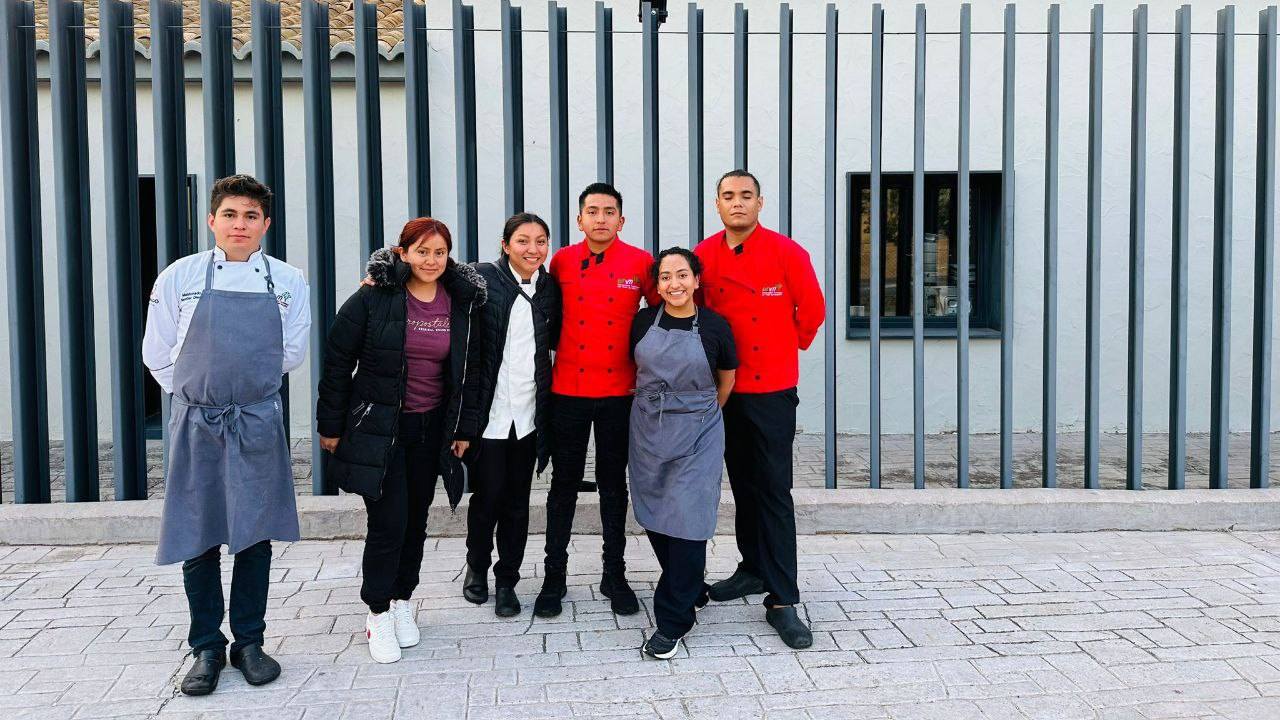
<point x="362" y="388"/>
<point x="503" y="294"/>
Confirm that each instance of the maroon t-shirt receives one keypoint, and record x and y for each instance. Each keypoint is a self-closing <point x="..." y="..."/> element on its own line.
<point x="426" y="348"/>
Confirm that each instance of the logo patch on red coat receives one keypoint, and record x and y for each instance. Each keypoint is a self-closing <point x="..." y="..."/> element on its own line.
<point x="629" y="283"/>
<point x="771" y="290"/>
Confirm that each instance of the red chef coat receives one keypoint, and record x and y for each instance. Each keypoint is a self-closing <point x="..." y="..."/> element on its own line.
<point x="601" y="294"/>
<point x="770" y="295"/>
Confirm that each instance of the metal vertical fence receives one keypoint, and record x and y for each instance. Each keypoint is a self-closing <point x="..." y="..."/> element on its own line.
<point x="71" y="180"/>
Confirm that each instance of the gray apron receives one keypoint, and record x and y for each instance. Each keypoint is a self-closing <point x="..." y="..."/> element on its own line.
<point x="229" y="479"/>
<point x="677" y="435"/>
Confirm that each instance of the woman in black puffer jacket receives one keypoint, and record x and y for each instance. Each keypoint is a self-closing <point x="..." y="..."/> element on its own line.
<point x="521" y="326"/>
<point x="406" y="415"/>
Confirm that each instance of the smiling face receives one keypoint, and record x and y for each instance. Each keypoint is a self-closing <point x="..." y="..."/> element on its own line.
<point x="738" y="203"/>
<point x="676" y="282"/>
<point x="527" y="249"/>
<point x="427" y="258"/>
<point x="238" y="224"/>
<point x="600" y="218"/>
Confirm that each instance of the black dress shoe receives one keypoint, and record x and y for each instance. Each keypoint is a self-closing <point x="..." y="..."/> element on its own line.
<point x="790" y="627"/>
<point x="257" y="667"/>
<point x="202" y="678"/>
<point x="475" y="587"/>
<point x="738" y="585"/>
<point x="622" y="599"/>
<point x="547" y="605"/>
<point x="505" y="602"/>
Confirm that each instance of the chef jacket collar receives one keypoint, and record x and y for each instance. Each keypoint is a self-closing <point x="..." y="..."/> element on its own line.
<point x="220" y="255"/>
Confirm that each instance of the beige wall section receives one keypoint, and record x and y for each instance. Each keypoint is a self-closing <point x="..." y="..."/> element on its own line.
<point x="853" y="154"/>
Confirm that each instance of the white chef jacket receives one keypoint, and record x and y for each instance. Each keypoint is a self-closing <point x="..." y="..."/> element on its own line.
<point x="178" y="288"/>
<point x="516" y="390"/>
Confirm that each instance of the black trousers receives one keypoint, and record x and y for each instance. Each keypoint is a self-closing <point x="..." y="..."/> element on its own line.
<point x="682" y="584"/>
<point x="571" y="421"/>
<point x="500" y="499"/>
<point x="759" y="429"/>
<point x="398" y="519"/>
<point x="250" y="577"/>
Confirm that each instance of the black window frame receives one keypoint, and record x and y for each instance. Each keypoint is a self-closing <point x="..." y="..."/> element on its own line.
<point x="985" y="252"/>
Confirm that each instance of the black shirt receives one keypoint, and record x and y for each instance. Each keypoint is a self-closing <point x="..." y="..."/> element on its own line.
<point x="713" y="329"/>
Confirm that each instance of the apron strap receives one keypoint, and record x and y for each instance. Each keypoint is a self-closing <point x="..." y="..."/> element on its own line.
<point x="208" y="272"/>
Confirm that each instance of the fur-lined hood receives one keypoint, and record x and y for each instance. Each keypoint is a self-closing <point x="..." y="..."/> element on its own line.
<point x="462" y="282"/>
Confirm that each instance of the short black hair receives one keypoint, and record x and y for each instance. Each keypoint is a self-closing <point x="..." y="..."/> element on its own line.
<point x="599" y="188"/>
<point x="694" y="263"/>
<point x="521" y="218"/>
<point x="240" y="186"/>
<point x="739" y="172"/>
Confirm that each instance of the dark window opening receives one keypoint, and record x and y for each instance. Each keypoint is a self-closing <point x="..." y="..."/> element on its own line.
<point x="941" y="257"/>
<point x="147" y="237"/>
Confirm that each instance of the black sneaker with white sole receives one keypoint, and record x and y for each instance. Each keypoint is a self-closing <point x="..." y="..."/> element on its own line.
<point x="660" y="647"/>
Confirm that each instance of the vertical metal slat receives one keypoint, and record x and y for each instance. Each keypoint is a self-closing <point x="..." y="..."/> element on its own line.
<point x="917" y="252"/>
<point x="464" y="123"/>
<point x="696" y="208"/>
<point x="962" y="260"/>
<point x="604" y="93"/>
<point x="785" y="55"/>
<point x="218" y="97"/>
<point x="512" y="108"/>
<point x="829" y="221"/>
<point x="1264" y="253"/>
<point x="1137" y="246"/>
<point x="1224" y="145"/>
<point x="71" y="181"/>
<point x="1180" y="239"/>
<point x="124" y="257"/>
<point x="1007" y="252"/>
<point x="20" y="149"/>
<point x="1049" y="376"/>
<point x="873" y="338"/>
<point x="417" y="109"/>
<point x="368" y="130"/>
<point x="649" y="104"/>
<point x="559" y="77"/>
<point x="1093" y="241"/>
<point x="740" y="58"/>
<point x="318" y="122"/>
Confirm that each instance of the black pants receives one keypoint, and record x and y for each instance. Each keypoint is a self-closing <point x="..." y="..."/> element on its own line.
<point x="759" y="429"/>
<point x="571" y="422"/>
<point x="682" y="584"/>
<point x="398" y="519"/>
<point x="250" y="577"/>
<point x="500" y="499"/>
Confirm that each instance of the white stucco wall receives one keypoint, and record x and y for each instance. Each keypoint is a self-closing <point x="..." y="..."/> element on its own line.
<point x="853" y="154"/>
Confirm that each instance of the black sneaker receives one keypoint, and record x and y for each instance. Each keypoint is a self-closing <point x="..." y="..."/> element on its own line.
<point x="790" y="627"/>
<point x="660" y="647"/>
<point x="622" y="599"/>
<point x="547" y="604"/>
<point x="738" y="585"/>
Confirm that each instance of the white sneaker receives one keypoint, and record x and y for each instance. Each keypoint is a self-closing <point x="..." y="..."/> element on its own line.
<point x="381" y="631"/>
<point x="406" y="623"/>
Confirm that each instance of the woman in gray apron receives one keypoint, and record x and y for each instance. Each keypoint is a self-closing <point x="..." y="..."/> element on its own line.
<point x="685" y="361"/>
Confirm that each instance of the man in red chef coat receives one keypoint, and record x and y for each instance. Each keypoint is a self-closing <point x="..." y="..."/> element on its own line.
<point x="763" y="283"/>
<point x="602" y="280"/>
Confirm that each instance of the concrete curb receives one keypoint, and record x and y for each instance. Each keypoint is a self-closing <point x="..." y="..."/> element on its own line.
<point x="817" y="512"/>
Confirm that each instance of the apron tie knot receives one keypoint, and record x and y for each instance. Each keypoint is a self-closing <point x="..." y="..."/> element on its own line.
<point x="228" y="417"/>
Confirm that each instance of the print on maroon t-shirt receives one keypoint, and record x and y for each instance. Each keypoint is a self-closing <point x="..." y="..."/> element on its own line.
<point x="426" y="347"/>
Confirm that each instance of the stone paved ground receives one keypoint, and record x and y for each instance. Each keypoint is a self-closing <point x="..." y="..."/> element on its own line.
<point x="1117" y="626"/>
<point x="852" y="467"/>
